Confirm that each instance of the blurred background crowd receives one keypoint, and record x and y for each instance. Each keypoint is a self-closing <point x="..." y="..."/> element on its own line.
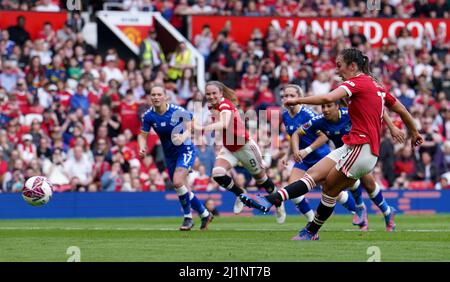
<point x="73" y="114"/>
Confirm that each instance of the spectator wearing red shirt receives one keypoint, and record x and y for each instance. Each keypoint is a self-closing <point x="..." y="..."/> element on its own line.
<point x="3" y="166"/>
<point x="123" y="148"/>
<point x="157" y="183"/>
<point x="100" y="166"/>
<point x="128" y="114"/>
<point x="250" y="79"/>
<point x="201" y="182"/>
<point x="264" y="97"/>
<point x="404" y="165"/>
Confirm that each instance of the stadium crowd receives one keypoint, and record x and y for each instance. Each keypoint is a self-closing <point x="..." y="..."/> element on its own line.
<point x="284" y="8"/>
<point x="72" y="114"/>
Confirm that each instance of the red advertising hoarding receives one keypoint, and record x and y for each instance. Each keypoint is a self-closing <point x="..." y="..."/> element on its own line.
<point x="34" y="21"/>
<point x="374" y="29"/>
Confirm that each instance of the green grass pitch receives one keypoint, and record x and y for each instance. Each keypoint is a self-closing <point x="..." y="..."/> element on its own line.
<point x="229" y="239"/>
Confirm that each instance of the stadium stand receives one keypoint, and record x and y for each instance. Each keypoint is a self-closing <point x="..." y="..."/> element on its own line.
<point x="66" y="108"/>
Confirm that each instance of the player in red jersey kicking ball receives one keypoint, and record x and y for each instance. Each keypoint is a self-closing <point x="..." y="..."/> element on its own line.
<point x="237" y="146"/>
<point x="359" y="154"/>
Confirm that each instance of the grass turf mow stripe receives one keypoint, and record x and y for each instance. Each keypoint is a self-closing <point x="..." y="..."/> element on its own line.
<point x="229" y="239"/>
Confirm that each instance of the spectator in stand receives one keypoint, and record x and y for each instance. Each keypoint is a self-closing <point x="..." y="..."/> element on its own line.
<point x="79" y="168"/>
<point x="109" y="120"/>
<point x="426" y="170"/>
<point x="111" y="180"/>
<point x="111" y="70"/>
<point x="185" y="86"/>
<point x="150" y="51"/>
<point x="201" y="7"/>
<point x="47" y="6"/>
<point x="10" y="75"/>
<point x="76" y="22"/>
<point x="263" y="96"/>
<point x="203" y="41"/>
<point x="53" y="168"/>
<point x="201" y="181"/>
<point x="404" y="167"/>
<point x="182" y="58"/>
<point x="321" y="85"/>
<point x="79" y="100"/>
<point x="431" y="137"/>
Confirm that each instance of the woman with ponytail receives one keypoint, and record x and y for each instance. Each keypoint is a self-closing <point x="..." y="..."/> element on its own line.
<point x="237" y="145"/>
<point x="359" y="154"/>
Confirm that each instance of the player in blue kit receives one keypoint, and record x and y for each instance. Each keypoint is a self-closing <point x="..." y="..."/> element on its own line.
<point x="335" y="122"/>
<point x="173" y="125"/>
<point x="306" y="150"/>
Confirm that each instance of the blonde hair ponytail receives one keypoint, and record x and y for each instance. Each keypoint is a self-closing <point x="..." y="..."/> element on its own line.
<point x="227" y="92"/>
<point x="297" y="88"/>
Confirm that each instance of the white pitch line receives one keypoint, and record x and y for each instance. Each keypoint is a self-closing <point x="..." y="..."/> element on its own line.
<point x="213" y="229"/>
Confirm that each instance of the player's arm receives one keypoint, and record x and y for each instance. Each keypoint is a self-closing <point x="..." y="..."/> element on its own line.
<point x="224" y="121"/>
<point x="299" y="155"/>
<point x="142" y="142"/>
<point x="397" y="133"/>
<point x="331" y="97"/>
<point x="416" y="138"/>
<point x="142" y="137"/>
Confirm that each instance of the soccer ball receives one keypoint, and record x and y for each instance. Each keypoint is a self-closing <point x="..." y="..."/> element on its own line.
<point x="37" y="191"/>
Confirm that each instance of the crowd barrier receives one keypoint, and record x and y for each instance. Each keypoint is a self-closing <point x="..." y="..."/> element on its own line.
<point x="160" y="204"/>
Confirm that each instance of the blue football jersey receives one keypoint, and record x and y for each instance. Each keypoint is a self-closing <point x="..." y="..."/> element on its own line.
<point x="171" y="122"/>
<point x="292" y="123"/>
<point x="334" y="131"/>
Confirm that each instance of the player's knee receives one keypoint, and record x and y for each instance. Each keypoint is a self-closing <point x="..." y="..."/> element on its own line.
<point x="177" y="182"/>
<point x="219" y="174"/>
<point x="219" y="171"/>
<point x="369" y="184"/>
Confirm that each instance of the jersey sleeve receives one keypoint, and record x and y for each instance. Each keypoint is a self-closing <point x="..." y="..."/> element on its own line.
<point x="389" y="100"/>
<point x="146" y="123"/>
<point x="225" y="107"/>
<point x="312" y="126"/>
<point x="350" y="87"/>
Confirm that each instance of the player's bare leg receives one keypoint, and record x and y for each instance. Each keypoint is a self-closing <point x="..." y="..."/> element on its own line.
<point x="300" y="202"/>
<point x="316" y="174"/>
<point x="220" y="175"/>
<point x="188" y="200"/>
<point x="375" y="194"/>
<point x="335" y="183"/>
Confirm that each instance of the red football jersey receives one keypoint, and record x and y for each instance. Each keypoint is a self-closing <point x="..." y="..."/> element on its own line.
<point x="366" y="105"/>
<point x="233" y="138"/>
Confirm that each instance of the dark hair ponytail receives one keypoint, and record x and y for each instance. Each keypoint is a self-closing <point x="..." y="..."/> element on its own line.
<point x="353" y="55"/>
<point x="365" y="67"/>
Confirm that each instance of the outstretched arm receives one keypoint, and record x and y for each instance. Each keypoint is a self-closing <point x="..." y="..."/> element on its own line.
<point x="331" y="97"/>
<point x="225" y="118"/>
<point x="416" y="138"/>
